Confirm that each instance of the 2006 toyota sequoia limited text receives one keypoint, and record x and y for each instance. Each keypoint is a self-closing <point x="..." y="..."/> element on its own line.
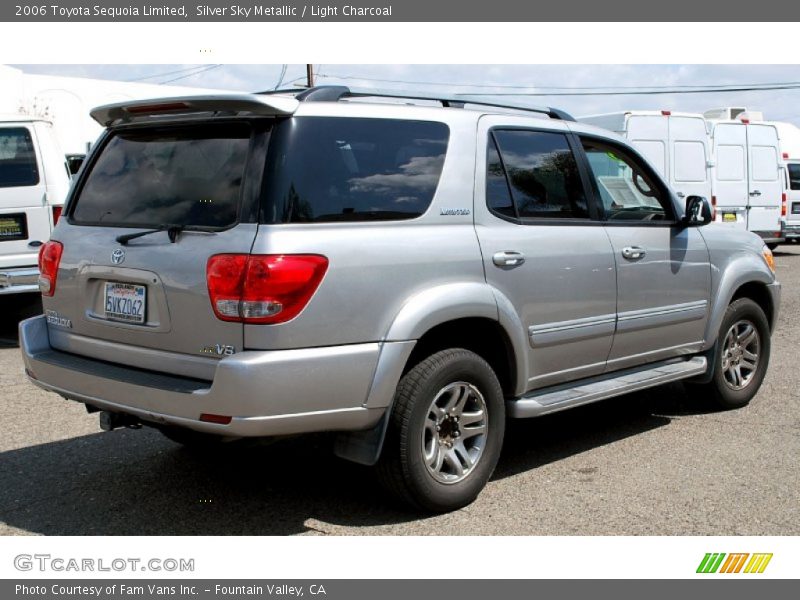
<point x="408" y="275"/>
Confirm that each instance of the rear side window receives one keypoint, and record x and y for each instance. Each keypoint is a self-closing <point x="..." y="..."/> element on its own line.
<point x="17" y="158"/>
<point x="324" y="169"/>
<point x="191" y="176"/>
<point x="794" y="176"/>
<point x="533" y="174"/>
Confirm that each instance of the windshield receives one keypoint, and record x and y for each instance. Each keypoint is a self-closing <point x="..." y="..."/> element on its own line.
<point x="190" y="176"/>
<point x="17" y="158"/>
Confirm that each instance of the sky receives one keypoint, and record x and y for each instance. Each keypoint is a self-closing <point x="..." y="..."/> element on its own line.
<point x="778" y="105"/>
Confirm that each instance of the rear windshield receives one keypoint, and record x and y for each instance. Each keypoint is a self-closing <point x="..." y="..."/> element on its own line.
<point x="17" y="158"/>
<point x="794" y="176"/>
<point x="165" y="177"/>
<point x="351" y="169"/>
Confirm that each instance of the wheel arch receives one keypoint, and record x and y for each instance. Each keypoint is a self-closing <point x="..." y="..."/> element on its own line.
<point x="746" y="277"/>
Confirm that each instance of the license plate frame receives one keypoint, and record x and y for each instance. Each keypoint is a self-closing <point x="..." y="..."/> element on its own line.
<point x="128" y="302"/>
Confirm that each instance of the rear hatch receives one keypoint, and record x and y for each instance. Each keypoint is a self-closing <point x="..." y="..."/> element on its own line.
<point x="191" y="189"/>
<point x="24" y="215"/>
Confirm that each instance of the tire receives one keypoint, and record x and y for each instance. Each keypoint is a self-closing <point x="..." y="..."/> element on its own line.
<point x="723" y="388"/>
<point x="448" y="411"/>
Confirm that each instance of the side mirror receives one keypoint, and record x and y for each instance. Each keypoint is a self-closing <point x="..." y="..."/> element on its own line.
<point x="698" y="211"/>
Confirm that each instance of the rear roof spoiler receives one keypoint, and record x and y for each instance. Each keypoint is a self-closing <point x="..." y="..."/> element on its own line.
<point x="139" y="110"/>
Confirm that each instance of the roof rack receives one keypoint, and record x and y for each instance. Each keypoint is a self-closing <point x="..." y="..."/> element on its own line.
<point x="335" y="93"/>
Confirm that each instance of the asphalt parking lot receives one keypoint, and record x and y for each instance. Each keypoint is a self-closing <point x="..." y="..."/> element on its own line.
<point x="653" y="463"/>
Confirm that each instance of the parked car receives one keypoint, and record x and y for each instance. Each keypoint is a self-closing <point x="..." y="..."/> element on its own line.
<point x="408" y="276"/>
<point x="34" y="179"/>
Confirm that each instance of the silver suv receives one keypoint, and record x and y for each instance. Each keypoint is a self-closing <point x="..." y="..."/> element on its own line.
<point x="406" y="272"/>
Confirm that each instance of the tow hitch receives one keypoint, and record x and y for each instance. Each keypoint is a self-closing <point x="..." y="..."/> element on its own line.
<point x="111" y="420"/>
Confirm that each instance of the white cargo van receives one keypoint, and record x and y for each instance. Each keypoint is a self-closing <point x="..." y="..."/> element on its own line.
<point x="747" y="179"/>
<point x="791" y="220"/>
<point x="677" y="144"/>
<point x="34" y="180"/>
<point x="790" y="150"/>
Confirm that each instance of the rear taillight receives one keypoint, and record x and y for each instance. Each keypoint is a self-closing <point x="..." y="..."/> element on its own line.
<point x="253" y="288"/>
<point x="713" y="208"/>
<point x="56" y="214"/>
<point x="49" y="258"/>
<point x="783" y="204"/>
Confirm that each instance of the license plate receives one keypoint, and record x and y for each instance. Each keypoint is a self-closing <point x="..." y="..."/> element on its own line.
<point x="125" y="302"/>
<point x="728" y="217"/>
<point x="13" y="227"/>
<point x="796" y="208"/>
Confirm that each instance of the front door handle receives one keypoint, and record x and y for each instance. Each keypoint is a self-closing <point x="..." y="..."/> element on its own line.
<point x="508" y="258"/>
<point x="633" y="252"/>
<point x="755" y="193"/>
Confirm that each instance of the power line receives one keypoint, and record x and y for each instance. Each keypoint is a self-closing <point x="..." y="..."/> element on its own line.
<point x="204" y="70"/>
<point x="194" y="68"/>
<point x="721" y="86"/>
<point x="282" y="75"/>
<point x="641" y="92"/>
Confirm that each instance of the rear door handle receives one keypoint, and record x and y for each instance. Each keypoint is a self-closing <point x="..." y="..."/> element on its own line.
<point x="508" y="258"/>
<point x="755" y="193"/>
<point x="681" y="195"/>
<point x="633" y="252"/>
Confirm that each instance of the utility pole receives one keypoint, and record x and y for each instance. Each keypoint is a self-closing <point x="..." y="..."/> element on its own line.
<point x="310" y="75"/>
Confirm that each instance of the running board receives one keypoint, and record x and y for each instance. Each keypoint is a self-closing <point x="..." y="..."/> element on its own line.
<point x="542" y="402"/>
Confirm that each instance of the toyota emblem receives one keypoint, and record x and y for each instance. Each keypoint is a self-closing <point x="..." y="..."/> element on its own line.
<point x="118" y="256"/>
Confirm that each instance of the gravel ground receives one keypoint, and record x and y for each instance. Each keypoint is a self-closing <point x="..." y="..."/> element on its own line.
<point x="652" y="463"/>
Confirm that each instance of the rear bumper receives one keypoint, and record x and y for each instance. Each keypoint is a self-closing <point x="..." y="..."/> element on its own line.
<point x="17" y="281"/>
<point x="266" y="393"/>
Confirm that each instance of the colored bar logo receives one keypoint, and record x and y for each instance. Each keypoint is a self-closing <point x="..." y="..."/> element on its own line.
<point x="719" y="562"/>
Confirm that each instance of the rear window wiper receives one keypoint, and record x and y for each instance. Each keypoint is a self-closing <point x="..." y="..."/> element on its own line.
<point x="172" y="232"/>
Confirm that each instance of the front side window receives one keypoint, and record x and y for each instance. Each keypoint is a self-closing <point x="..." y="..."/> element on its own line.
<point x="534" y="174"/>
<point x="17" y="158"/>
<point x="327" y="169"/>
<point x="627" y="191"/>
<point x="188" y="176"/>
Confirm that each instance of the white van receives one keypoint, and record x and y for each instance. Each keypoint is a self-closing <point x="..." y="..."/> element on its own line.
<point x="677" y="144"/>
<point x="790" y="150"/>
<point x="34" y="180"/>
<point x="748" y="183"/>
